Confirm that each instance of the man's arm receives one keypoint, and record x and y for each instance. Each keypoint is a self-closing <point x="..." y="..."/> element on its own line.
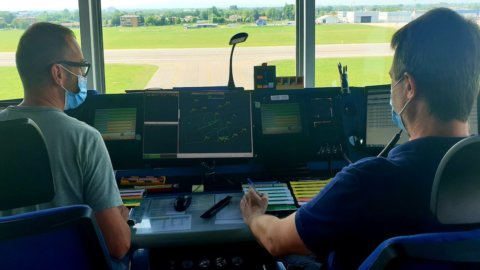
<point x="115" y="230"/>
<point x="101" y="193"/>
<point x="277" y="236"/>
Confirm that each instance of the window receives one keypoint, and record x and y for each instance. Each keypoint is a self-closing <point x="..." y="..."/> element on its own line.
<point x="186" y="43"/>
<point x="166" y="44"/>
<point x="358" y="36"/>
<point x="15" y="17"/>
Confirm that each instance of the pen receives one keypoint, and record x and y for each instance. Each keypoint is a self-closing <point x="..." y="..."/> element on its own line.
<point x="130" y="220"/>
<point x="217" y="207"/>
<point x="252" y="185"/>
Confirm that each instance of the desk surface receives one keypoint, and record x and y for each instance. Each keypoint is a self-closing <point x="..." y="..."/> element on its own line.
<point x="159" y="225"/>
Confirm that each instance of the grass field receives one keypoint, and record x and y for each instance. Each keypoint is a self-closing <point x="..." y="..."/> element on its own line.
<point x="361" y="71"/>
<point x="10" y="84"/>
<point x="178" y="37"/>
<point x="116" y="79"/>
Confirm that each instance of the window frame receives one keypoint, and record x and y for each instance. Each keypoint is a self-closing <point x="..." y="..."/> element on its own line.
<point x="90" y="13"/>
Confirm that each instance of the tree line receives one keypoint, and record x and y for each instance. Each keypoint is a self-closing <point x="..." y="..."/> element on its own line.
<point x="213" y="15"/>
<point x="232" y="14"/>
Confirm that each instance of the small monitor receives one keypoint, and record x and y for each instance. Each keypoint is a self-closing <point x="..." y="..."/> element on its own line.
<point x="119" y="119"/>
<point x="379" y="125"/>
<point x="160" y="138"/>
<point x="116" y="123"/>
<point x="282" y="127"/>
<point x="281" y="118"/>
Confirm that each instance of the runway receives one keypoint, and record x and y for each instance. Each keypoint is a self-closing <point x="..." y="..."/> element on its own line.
<point x="209" y="66"/>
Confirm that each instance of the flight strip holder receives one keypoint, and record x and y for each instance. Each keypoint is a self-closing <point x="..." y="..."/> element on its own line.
<point x="264" y="77"/>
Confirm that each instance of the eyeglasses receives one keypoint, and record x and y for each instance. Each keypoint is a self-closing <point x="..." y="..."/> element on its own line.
<point x="395" y="84"/>
<point x="83" y="65"/>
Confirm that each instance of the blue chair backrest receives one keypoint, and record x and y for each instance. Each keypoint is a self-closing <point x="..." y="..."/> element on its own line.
<point x="26" y="177"/>
<point x="455" y="197"/>
<point x="455" y="200"/>
<point x="58" y="238"/>
<point x="445" y="250"/>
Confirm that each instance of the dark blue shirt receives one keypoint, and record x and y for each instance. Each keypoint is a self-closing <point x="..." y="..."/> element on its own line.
<point x="372" y="200"/>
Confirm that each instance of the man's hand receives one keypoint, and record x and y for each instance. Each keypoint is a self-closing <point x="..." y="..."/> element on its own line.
<point x="278" y="236"/>
<point x="115" y="230"/>
<point x="124" y="212"/>
<point x="253" y="205"/>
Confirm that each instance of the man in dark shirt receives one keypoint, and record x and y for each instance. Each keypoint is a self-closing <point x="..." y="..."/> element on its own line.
<point x="435" y="78"/>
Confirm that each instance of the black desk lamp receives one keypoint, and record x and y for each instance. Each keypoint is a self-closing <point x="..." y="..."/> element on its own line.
<point x="237" y="38"/>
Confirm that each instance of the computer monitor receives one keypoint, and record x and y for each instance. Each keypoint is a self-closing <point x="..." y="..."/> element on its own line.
<point x="282" y="132"/>
<point x="116" y="123"/>
<point x="119" y="119"/>
<point x="281" y="118"/>
<point x="11" y="102"/>
<point x="379" y="127"/>
<point x="215" y="124"/>
<point x="197" y="124"/>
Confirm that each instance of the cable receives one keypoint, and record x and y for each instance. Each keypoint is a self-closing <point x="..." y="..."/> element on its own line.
<point x="212" y="173"/>
<point x="390" y="145"/>
<point x="346" y="158"/>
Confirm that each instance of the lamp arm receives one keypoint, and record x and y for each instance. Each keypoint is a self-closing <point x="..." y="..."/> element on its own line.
<point x="231" y="83"/>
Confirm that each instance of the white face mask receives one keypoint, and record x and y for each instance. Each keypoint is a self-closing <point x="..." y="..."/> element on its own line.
<point x="73" y="100"/>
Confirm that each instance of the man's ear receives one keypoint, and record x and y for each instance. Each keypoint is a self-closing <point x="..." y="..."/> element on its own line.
<point x="57" y="74"/>
<point x="410" y="85"/>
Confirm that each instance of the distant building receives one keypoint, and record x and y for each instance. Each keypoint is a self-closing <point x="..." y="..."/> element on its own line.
<point x="362" y="16"/>
<point x="327" y="19"/>
<point x="469" y="13"/>
<point x="390" y="17"/>
<point x="395" y="17"/>
<point x="71" y="24"/>
<point x="342" y="16"/>
<point x="188" y="18"/>
<point x="129" y="20"/>
<point x="472" y="14"/>
<point x="235" y="18"/>
<point x="416" y="14"/>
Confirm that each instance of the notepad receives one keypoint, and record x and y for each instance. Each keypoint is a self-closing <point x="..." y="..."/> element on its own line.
<point x="279" y="195"/>
<point x="132" y="197"/>
<point x="142" y="181"/>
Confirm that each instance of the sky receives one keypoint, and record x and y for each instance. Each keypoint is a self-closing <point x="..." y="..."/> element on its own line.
<point x="18" y="5"/>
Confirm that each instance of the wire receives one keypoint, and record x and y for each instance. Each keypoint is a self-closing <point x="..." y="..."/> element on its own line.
<point x="347" y="159"/>
<point x="390" y="145"/>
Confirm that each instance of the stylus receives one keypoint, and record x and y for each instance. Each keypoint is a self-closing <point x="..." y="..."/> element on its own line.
<point x="216" y="207"/>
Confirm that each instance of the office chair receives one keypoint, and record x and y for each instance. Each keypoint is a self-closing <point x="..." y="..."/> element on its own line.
<point x="26" y="177"/>
<point x="455" y="200"/>
<point x="57" y="238"/>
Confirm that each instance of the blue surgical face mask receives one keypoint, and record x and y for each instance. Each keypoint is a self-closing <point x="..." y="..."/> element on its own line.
<point x="73" y="100"/>
<point x="397" y="117"/>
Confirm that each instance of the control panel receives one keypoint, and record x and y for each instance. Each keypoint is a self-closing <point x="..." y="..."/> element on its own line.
<point x="213" y="257"/>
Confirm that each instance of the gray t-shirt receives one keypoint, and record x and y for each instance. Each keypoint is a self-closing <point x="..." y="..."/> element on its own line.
<point x="81" y="167"/>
